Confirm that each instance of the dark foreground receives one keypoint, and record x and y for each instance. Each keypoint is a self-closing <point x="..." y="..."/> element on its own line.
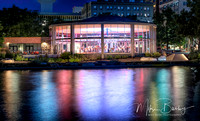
<point x="95" y="65"/>
<point x="149" y="94"/>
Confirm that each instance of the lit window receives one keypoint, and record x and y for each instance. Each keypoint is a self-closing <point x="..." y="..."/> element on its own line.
<point x="63" y="32"/>
<point x="148" y="8"/>
<point x="118" y="7"/>
<point x="148" y="14"/>
<point x="110" y="7"/>
<point x="95" y="7"/>
<point x="145" y="8"/>
<point x="122" y="14"/>
<point x="118" y="14"/>
<point x="128" y="14"/>
<point x="122" y="7"/>
<point x="117" y="45"/>
<point x="138" y="14"/>
<point x="128" y="8"/>
<point x="95" y="13"/>
<point x="100" y="7"/>
<point x="107" y="7"/>
<point x="138" y="8"/>
<point x="87" y="46"/>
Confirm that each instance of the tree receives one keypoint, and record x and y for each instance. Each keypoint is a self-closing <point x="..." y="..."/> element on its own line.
<point x="1" y="36"/>
<point x="20" y="22"/>
<point x="168" y="28"/>
<point x="194" y="21"/>
<point x="1" y="27"/>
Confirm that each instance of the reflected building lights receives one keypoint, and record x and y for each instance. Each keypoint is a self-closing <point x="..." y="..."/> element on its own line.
<point x="12" y="98"/>
<point x="179" y="87"/>
<point x="44" y="100"/>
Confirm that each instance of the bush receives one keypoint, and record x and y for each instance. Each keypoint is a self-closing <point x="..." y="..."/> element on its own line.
<point x="118" y="57"/>
<point x="147" y="54"/>
<point x="109" y="57"/>
<point x="51" y="60"/>
<point x="156" y="54"/>
<point x="65" y="55"/>
<point x="10" y="54"/>
<point x="193" y="55"/>
<point x="64" y="61"/>
<point x="2" y="55"/>
<point x="125" y="56"/>
<point x="19" y="58"/>
<point x="58" y="60"/>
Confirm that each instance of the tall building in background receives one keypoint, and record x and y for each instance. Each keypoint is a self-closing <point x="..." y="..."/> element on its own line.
<point x="176" y="5"/>
<point x="46" y="5"/>
<point x="124" y="8"/>
<point x="47" y="13"/>
<point x="77" y="9"/>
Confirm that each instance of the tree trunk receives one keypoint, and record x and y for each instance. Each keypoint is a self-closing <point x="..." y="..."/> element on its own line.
<point x="199" y="44"/>
<point x="188" y="46"/>
<point x="167" y="44"/>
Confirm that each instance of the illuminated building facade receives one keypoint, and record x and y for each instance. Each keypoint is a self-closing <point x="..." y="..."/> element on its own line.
<point x="176" y="5"/>
<point x="28" y="45"/>
<point x="103" y="35"/>
<point x="124" y="8"/>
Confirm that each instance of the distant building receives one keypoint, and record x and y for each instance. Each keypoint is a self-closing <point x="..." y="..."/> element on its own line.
<point x="46" y="5"/>
<point x="60" y="16"/>
<point x="47" y="13"/>
<point x="28" y="45"/>
<point x="143" y="11"/>
<point x="77" y="9"/>
<point x="176" y="5"/>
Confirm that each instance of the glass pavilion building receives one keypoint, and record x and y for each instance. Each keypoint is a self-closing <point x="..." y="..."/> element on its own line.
<point x="103" y="35"/>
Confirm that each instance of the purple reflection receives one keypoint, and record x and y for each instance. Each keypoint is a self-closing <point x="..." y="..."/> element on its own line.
<point x="107" y="95"/>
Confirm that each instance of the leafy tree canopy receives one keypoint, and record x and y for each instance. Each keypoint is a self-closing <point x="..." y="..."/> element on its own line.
<point x="18" y="22"/>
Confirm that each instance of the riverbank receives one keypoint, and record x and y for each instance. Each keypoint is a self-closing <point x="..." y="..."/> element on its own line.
<point x="105" y="64"/>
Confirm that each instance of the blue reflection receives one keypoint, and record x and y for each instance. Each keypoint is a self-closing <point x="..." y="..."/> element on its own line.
<point x="44" y="98"/>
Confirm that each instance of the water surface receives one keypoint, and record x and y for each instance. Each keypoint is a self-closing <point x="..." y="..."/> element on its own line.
<point x="112" y="94"/>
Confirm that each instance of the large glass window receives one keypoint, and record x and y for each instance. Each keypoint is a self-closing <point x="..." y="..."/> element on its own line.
<point x="63" y="45"/>
<point x="117" y="30"/>
<point x="142" y="45"/>
<point x="87" y="30"/>
<point x="87" y="46"/>
<point x="117" y="45"/>
<point x="63" y="32"/>
<point x="142" y="36"/>
<point x="142" y="31"/>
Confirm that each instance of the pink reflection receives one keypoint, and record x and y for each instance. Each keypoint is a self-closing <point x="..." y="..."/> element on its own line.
<point x="64" y="86"/>
<point x="140" y="94"/>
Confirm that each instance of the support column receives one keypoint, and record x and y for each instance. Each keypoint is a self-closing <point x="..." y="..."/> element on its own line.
<point x="132" y="41"/>
<point x="72" y="45"/>
<point x="151" y="40"/>
<point x="154" y="39"/>
<point x="102" y="41"/>
<point x="53" y="36"/>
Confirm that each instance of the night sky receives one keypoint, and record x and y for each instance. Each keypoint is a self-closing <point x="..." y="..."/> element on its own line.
<point x="59" y="5"/>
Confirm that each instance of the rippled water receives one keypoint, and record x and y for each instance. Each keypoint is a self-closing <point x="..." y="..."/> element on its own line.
<point x="112" y="94"/>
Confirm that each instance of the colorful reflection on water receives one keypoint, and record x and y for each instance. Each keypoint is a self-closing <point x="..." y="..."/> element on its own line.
<point x="112" y="94"/>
